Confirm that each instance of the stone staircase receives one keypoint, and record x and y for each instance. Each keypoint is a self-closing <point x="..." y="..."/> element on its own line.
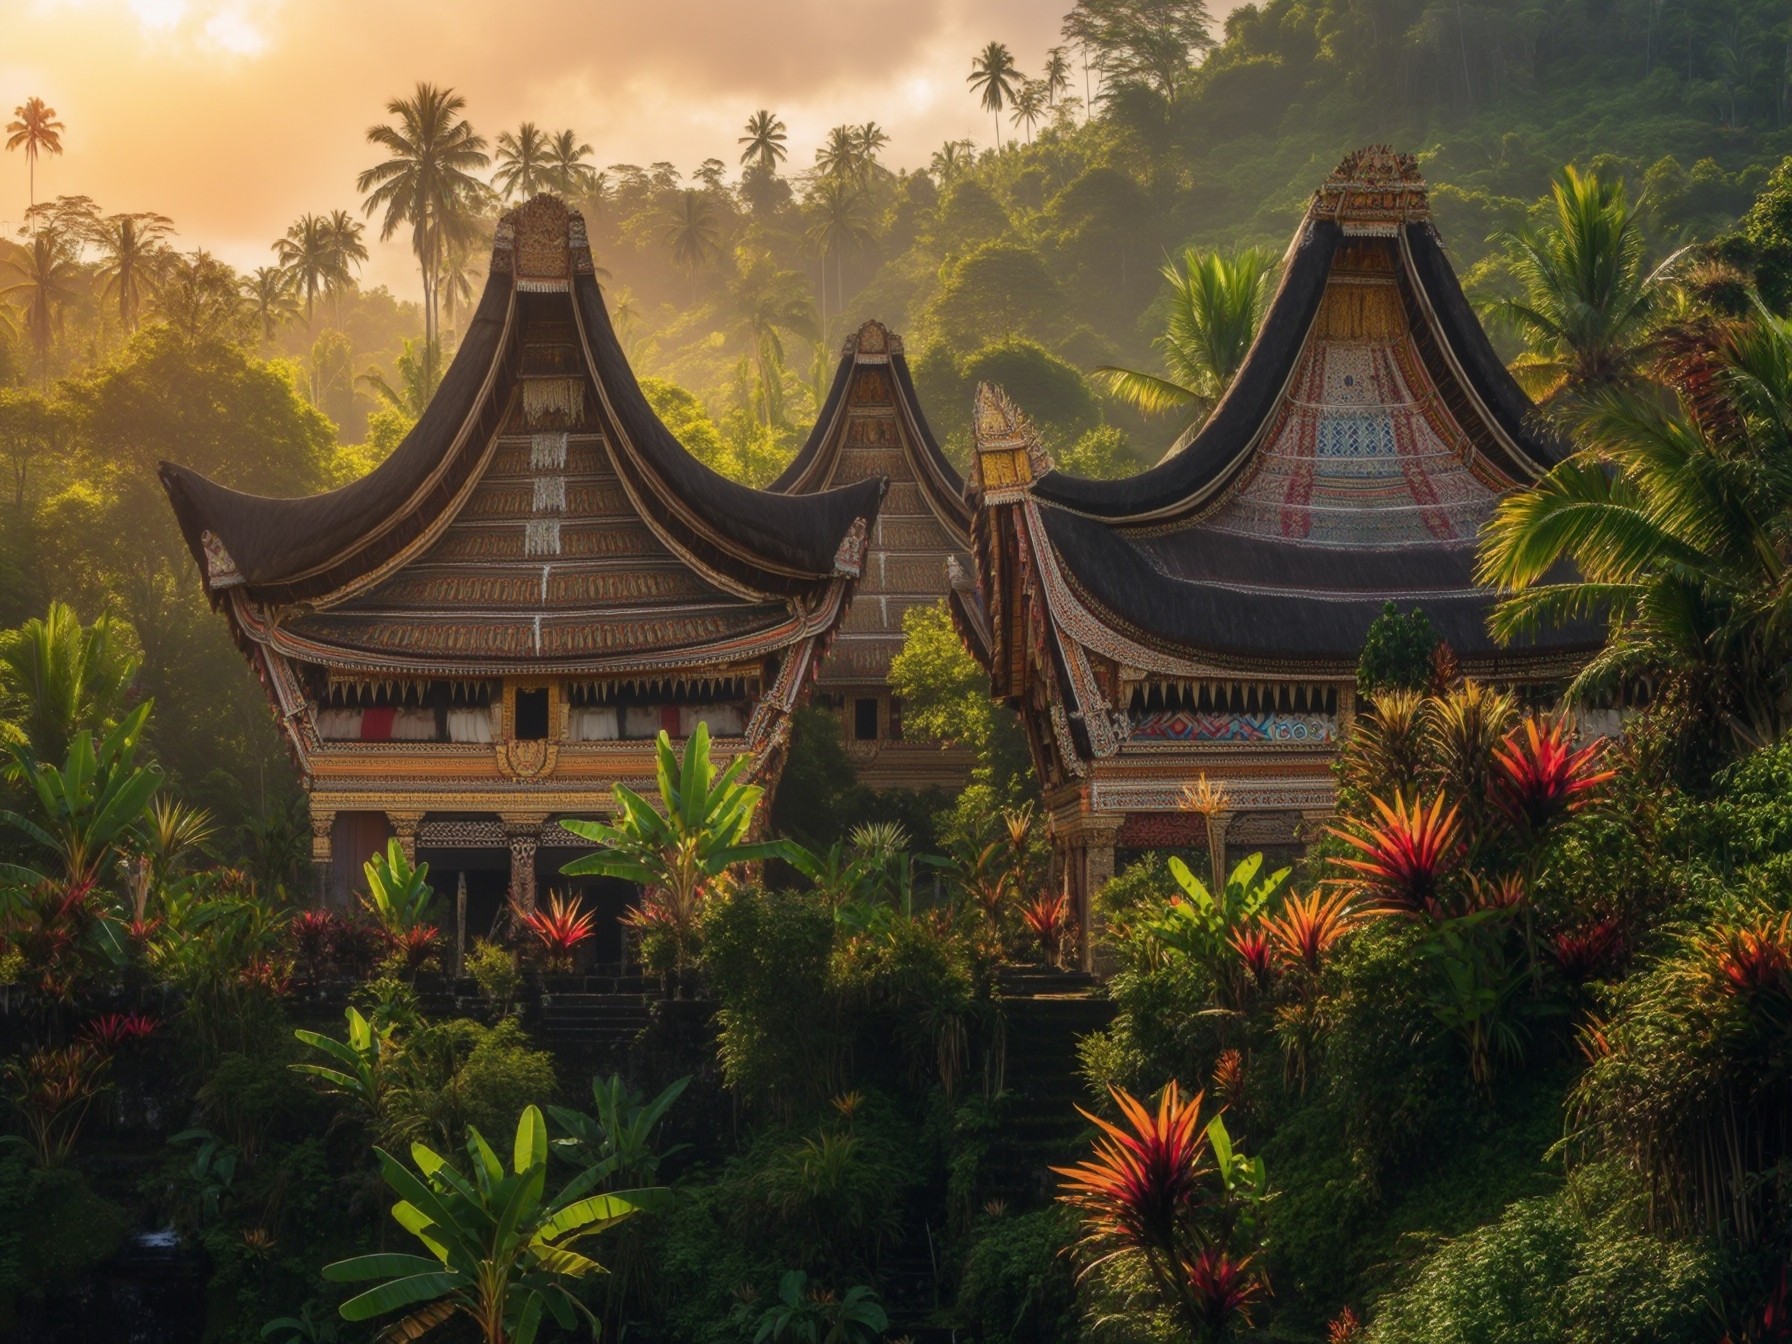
<point x="587" y="1022"/>
<point x="1046" y="1011"/>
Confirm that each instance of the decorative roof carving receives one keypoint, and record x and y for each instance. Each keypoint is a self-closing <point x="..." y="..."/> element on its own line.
<point x="540" y="232"/>
<point x="220" y="569"/>
<point x="1374" y="190"/>
<point x="850" y="558"/>
<point x="1010" y="455"/>
<point x="873" y="343"/>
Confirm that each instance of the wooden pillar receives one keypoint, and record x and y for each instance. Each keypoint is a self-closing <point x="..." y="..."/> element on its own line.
<point x="524" y="835"/>
<point x="323" y="821"/>
<point x="1088" y="859"/>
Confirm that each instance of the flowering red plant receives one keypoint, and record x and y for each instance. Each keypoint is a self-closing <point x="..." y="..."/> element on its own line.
<point x="1587" y="953"/>
<point x="1539" y="775"/>
<point x="417" y="946"/>
<point x="1752" y="960"/>
<point x="261" y="973"/>
<point x="1141" y="1181"/>
<point x="1406" y="856"/>
<point x="310" y="934"/>
<point x="1221" y="1291"/>
<point x="1309" y="925"/>
<point x="1048" y="916"/>
<point x="110" y="1031"/>
<point x="1253" y="947"/>
<point x="1345" y="1328"/>
<point x="560" y="928"/>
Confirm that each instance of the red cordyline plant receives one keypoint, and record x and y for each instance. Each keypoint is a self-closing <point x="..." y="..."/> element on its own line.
<point x="560" y="928"/>
<point x="1048" y="916"/>
<point x="1255" y="954"/>
<point x="52" y="1091"/>
<point x="1540" y="776"/>
<point x="1587" y="953"/>
<point x="1406" y="856"/>
<point x="1344" y="1328"/>
<point x="1145" y="1191"/>
<point x="1309" y="926"/>
<point x="1753" y="960"/>
<point x="1221" y="1291"/>
<point x="312" y="934"/>
<point x="416" y="946"/>
<point x="1227" y="1083"/>
<point x="109" y="1032"/>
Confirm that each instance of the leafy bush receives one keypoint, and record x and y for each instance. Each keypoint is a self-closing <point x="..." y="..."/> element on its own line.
<point x="1397" y="652"/>
<point x="1018" y="1285"/>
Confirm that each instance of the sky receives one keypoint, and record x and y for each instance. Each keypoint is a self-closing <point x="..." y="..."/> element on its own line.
<point x="236" y="116"/>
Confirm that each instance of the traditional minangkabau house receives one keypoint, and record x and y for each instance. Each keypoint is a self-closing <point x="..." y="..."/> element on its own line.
<point x="487" y="631"/>
<point x="871" y="425"/>
<point x="1205" y="617"/>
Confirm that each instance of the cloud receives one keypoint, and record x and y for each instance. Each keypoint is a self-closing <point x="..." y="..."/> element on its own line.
<point x="235" y="116"/>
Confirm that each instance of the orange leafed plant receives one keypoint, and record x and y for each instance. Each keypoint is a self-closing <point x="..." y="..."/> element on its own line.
<point x="1142" y="1180"/>
<point x="1309" y="926"/>
<point x="1406" y="855"/>
<point x="1048" y="916"/>
<point x="1540" y="776"/>
<point x="560" y="928"/>
<point x="1753" y="959"/>
<point x="1253" y="947"/>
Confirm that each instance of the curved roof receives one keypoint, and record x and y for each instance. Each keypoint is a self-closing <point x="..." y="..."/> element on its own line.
<point x="540" y="515"/>
<point x="872" y="424"/>
<point x="1367" y="437"/>
<point x="307" y="548"/>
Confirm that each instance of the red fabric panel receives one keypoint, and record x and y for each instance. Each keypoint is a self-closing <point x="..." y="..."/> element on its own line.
<point x="376" y="725"/>
<point x="669" y="719"/>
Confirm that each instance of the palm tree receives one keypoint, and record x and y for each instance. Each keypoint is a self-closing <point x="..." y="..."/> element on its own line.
<point x="567" y="171"/>
<point x="1215" y="303"/>
<point x="994" y="76"/>
<point x="693" y="233"/>
<point x="428" y="181"/>
<point x="950" y="159"/>
<point x="1675" y="521"/>
<point x="838" y="156"/>
<point x="1588" y="299"/>
<point x="35" y="130"/>
<point x="764" y="141"/>
<point x="460" y="273"/>
<point x="769" y="303"/>
<point x="201" y="298"/>
<point x="837" y="218"/>
<point x="869" y="141"/>
<point x="59" y="678"/>
<point x="268" y="294"/>
<point x="308" y="255"/>
<point x="417" y="381"/>
<point x="524" y="161"/>
<point x="1057" y="74"/>
<point x="130" y="247"/>
<point x="1029" y="105"/>
<point x="45" y="270"/>
<point x="346" y="252"/>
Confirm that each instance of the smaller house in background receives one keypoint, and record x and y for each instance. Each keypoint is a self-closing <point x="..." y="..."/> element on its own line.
<point x="870" y="426"/>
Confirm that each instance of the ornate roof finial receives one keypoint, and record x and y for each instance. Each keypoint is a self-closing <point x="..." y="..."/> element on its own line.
<point x="849" y="559"/>
<point x="542" y="243"/>
<point x="872" y="343"/>
<point x="1373" y="191"/>
<point x="1009" y="452"/>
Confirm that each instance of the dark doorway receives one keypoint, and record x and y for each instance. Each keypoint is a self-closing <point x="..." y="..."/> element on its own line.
<point x="531" y="715"/>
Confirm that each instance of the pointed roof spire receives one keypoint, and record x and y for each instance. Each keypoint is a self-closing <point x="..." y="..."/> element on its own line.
<point x="1010" y="454"/>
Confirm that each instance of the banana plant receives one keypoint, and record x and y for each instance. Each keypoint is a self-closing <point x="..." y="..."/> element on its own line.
<point x="398" y="891"/>
<point x="696" y="834"/>
<point x="500" y="1252"/>
<point x="363" y="1058"/>
<point x="88" y="808"/>
<point x="1198" y="925"/>
<point x="617" y="1140"/>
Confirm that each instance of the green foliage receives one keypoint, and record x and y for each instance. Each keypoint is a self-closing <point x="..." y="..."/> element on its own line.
<point x="494" y="969"/>
<point x="58" y="678"/>
<point x="1768" y="228"/>
<point x="806" y="1316"/>
<point x="398" y="892"/>
<point x="501" y="1251"/>
<point x="458" y="1074"/>
<point x="1397" y="652"/>
<point x="691" y="841"/>
<point x="1101" y="454"/>
<point x="617" y="1139"/>
<point x="1054" y="394"/>
<point x="360" y="1062"/>
<point x="1018" y="1286"/>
